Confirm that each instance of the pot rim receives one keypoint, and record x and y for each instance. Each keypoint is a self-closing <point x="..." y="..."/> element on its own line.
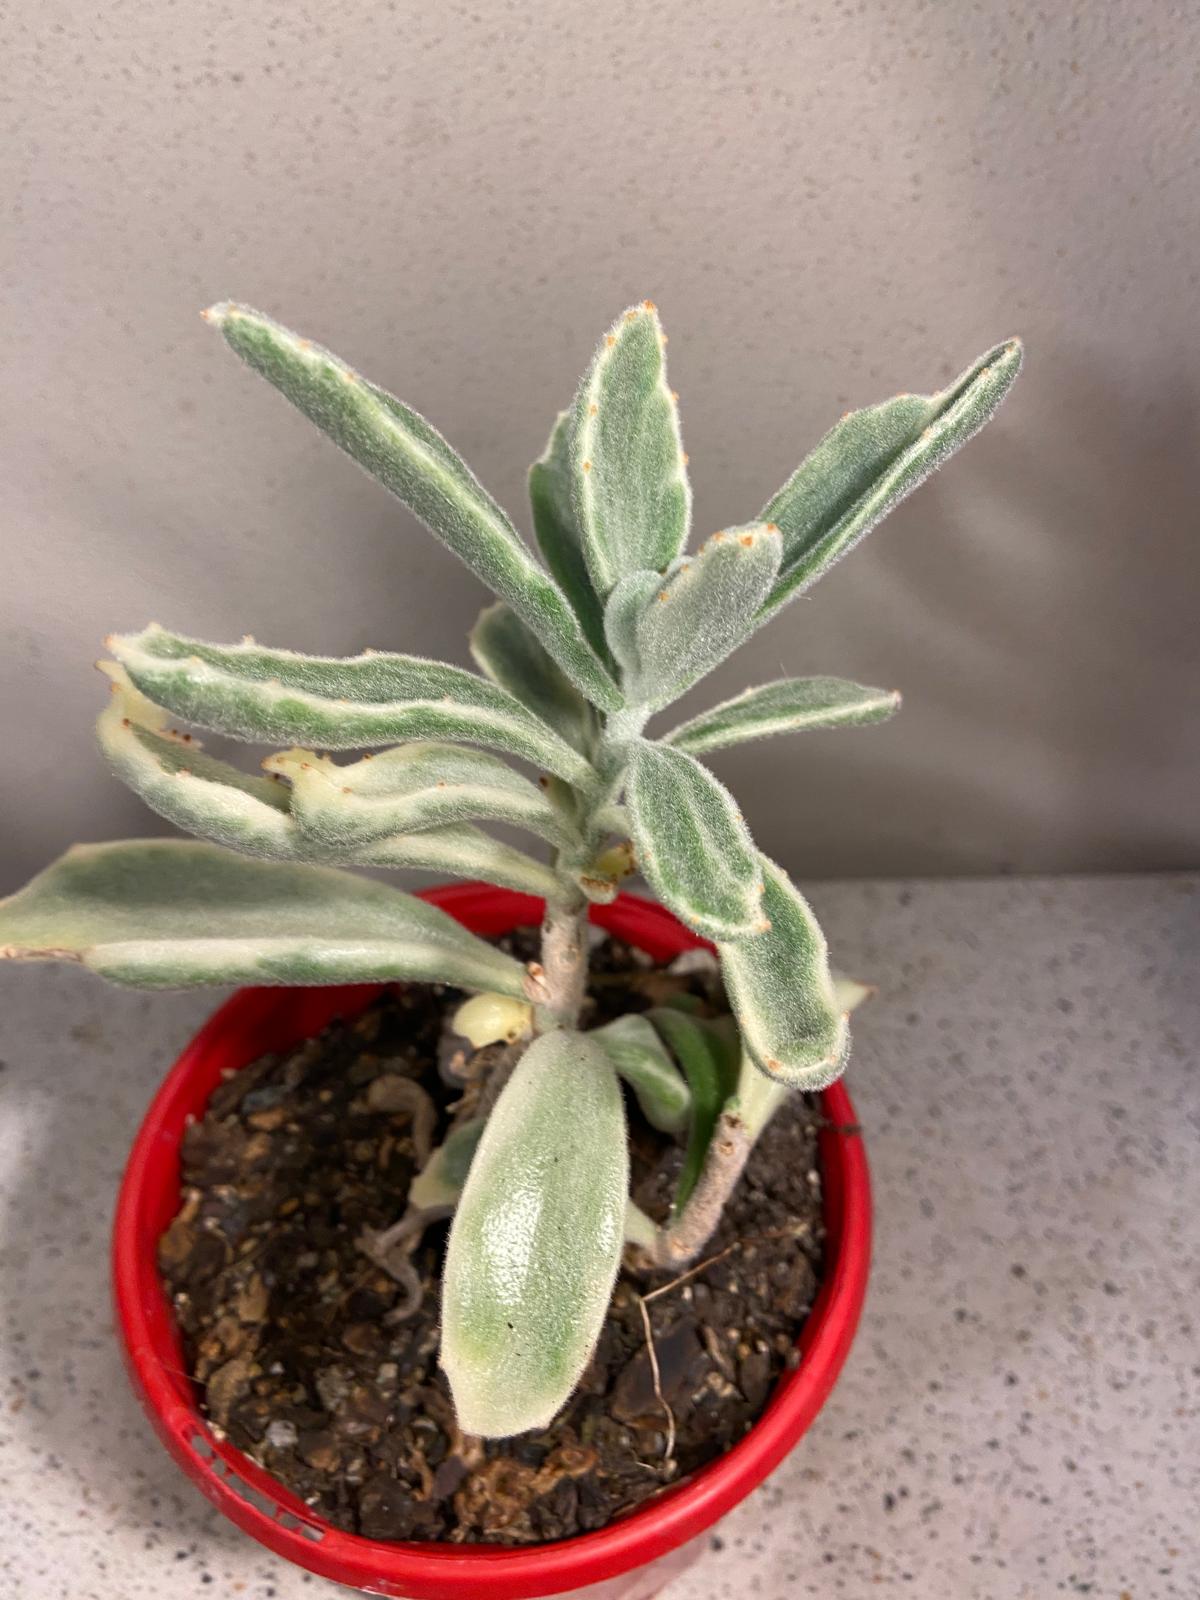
<point x="254" y="1020"/>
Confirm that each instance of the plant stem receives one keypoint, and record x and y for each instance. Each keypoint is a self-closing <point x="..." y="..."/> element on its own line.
<point x="734" y="1137"/>
<point x="556" y="985"/>
<point x="681" y="1241"/>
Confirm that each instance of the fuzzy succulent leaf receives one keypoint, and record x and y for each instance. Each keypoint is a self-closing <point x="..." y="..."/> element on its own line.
<point x="789" y="705"/>
<point x="215" y="801"/>
<point x="440" y="1181"/>
<point x="536" y="1239"/>
<point x="280" y="697"/>
<point x="174" y="914"/>
<point x="407" y="789"/>
<point x="631" y="492"/>
<point x="176" y="779"/>
<point x="675" y="631"/>
<point x="507" y="652"/>
<point x="871" y="460"/>
<point x="551" y="497"/>
<point x="641" y="1058"/>
<point x="412" y="459"/>
<point x="691" y="843"/>
<point x="627" y="603"/>
<point x="706" y="1067"/>
<point x="464" y="852"/>
<point x="782" y="993"/>
<point x="758" y="1097"/>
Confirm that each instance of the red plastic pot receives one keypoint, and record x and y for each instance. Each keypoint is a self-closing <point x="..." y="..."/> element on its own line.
<point x="628" y="1560"/>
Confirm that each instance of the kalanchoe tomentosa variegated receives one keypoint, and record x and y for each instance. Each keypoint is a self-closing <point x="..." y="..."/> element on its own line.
<point x="581" y="648"/>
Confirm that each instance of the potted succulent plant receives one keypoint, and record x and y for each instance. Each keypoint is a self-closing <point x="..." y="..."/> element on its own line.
<point x="514" y="1115"/>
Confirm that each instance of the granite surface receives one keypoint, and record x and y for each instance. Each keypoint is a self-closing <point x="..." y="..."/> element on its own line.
<point x="1019" y="1417"/>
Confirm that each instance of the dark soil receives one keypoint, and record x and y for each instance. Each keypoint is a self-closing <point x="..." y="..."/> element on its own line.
<point x="303" y="1356"/>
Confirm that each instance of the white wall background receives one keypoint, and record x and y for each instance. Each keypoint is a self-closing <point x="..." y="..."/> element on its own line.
<point x="829" y="203"/>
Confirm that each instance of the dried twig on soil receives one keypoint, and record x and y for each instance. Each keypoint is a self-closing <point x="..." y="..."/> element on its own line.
<point x="709" y="1261"/>
<point x="669" y="1452"/>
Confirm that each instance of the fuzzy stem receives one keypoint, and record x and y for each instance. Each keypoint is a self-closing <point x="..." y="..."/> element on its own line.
<point x="734" y="1137"/>
<point x="681" y="1241"/>
<point x="556" y="985"/>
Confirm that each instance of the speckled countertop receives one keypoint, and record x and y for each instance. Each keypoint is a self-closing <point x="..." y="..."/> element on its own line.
<point x="1021" y="1414"/>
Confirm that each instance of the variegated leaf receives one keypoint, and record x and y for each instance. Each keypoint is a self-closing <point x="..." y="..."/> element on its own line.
<point x="551" y="496"/>
<point x="279" y="697"/>
<point x="509" y="654"/>
<point x="174" y="914"/>
<point x="758" y="1097"/>
<point x="631" y="492"/>
<point x="407" y="789"/>
<point x="412" y="459"/>
<point x="675" y="631"/>
<point x="783" y="994"/>
<point x="175" y="778"/>
<point x="789" y="705"/>
<point x="215" y="801"/>
<point x="464" y="852"/>
<point x="536" y="1239"/>
<point x="641" y="1058"/>
<point x="632" y="593"/>
<point x="440" y="1181"/>
<point x="691" y="843"/>
<point x="871" y="460"/>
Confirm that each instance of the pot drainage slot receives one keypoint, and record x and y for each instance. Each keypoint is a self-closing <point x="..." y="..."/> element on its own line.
<point x="252" y="1496"/>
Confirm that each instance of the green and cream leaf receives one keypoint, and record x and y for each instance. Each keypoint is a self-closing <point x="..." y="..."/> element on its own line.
<point x="668" y="634"/>
<point x="176" y="779"/>
<point x="758" y="1096"/>
<point x="507" y="652"/>
<point x="412" y="459"/>
<point x="691" y="843"/>
<point x="556" y="527"/>
<point x="464" y="852"/>
<point x="407" y="789"/>
<point x="789" y="705"/>
<point x="624" y="609"/>
<point x="439" y="1183"/>
<point x="261" y="817"/>
<point x="871" y="460"/>
<point x="536" y="1239"/>
<point x="783" y="994"/>
<point x="175" y="914"/>
<point x="631" y="495"/>
<point x="280" y="697"/>
<point x="641" y="1058"/>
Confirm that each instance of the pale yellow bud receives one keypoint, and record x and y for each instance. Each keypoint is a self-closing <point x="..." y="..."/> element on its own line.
<point x="490" y="1018"/>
